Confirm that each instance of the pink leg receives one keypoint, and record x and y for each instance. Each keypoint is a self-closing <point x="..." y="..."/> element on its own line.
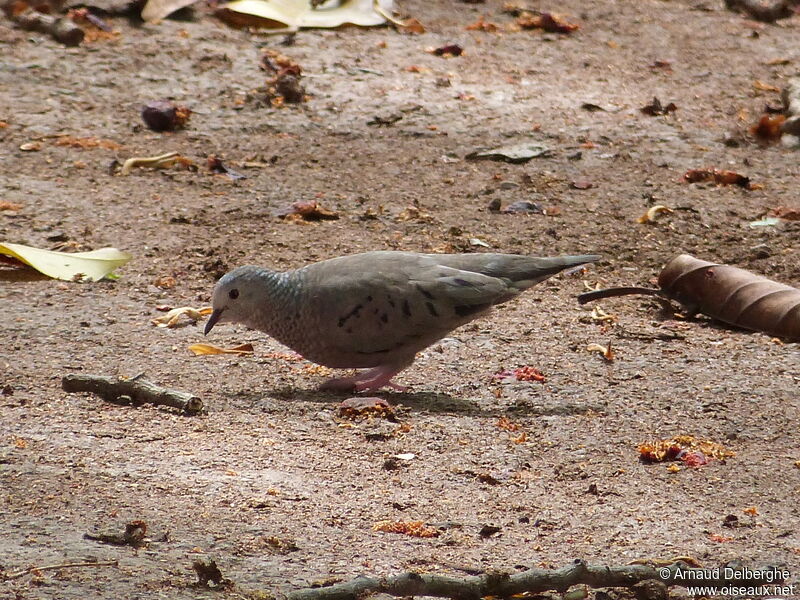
<point x="371" y="379"/>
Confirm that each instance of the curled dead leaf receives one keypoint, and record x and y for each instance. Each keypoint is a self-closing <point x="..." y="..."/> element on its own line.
<point x="605" y="351"/>
<point x="172" y="317"/>
<point x="653" y="212"/>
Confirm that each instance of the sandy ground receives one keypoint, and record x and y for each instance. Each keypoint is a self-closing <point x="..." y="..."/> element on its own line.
<point x="271" y="460"/>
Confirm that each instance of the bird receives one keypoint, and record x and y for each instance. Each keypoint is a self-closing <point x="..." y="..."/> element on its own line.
<point x="375" y="310"/>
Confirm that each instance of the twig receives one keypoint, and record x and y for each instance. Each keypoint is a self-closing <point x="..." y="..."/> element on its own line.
<point x="614" y="292"/>
<point x="132" y="391"/>
<point x="18" y="574"/>
<point x="761" y="11"/>
<point x="533" y="581"/>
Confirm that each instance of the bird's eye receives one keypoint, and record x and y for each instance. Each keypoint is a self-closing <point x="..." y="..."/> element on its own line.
<point x="233" y="294"/>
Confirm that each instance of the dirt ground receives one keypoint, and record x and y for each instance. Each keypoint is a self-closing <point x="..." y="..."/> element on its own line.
<point x="271" y="465"/>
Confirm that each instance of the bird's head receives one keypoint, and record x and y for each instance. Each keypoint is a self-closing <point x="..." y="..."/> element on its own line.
<point x="234" y="297"/>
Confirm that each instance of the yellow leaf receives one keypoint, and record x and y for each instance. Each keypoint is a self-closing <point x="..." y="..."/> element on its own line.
<point x="68" y="266"/>
<point x="206" y="349"/>
<point x="299" y="13"/>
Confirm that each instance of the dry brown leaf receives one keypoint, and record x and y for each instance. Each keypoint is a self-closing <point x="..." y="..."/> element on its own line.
<point x="9" y="205"/>
<point x="720" y="177"/>
<point x="545" y="21"/>
<point x="507" y="424"/>
<point x="165" y="282"/>
<point x="208" y="349"/>
<point x="768" y="127"/>
<point x="306" y="211"/>
<point x="411" y="528"/>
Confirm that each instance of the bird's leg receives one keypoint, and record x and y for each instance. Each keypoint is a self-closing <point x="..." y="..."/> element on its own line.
<point x="371" y="379"/>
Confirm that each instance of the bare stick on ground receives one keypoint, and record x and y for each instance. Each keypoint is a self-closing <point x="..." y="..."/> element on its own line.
<point x="18" y="574"/>
<point x="533" y="581"/>
<point x="132" y="391"/>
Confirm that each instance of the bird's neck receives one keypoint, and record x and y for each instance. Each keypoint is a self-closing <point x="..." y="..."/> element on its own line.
<point x="282" y="295"/>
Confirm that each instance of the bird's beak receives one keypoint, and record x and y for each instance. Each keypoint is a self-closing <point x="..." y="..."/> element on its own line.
<point x="212" y="320"/>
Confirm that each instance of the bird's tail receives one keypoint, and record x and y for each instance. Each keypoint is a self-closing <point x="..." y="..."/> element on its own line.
<point x="522" y="271"/>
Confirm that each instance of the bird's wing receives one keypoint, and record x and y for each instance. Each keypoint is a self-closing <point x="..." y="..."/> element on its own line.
<point x="405" y="304"/>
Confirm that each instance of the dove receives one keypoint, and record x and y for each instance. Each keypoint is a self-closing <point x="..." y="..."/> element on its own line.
<point x="375" y="310"/>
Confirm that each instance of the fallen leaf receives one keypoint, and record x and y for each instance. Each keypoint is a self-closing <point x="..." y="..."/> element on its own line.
<point x="690" y="450"/>
<point x="653" y="212"/>
<point x="306" y="211"/>
<point x="68" y="266"/>
<point x="9" y="205"/>
<point x="363" y="407"/>
<point x="31" y="146"/>
<point x="155" y="10"/>
<point x="215" y="165"/>
<point x="598" y="314"/>
<point x="171" y="318"/>
<point x="517" y="153"/>
<point x="546" y="21"/>
<point x="523" y="207"/>
<point x="87" y="143"/>
<point x="719" y="538"/>
<point x="483" y="25"/>
<point x="605" y="351"/>
<point x="751" y="511"/>
<point x="294" y="14"/>
<point x="446" y="51"/>
<point x="507" y="424"/>
<point x="208" y="349"/>
<point x="660" y="65"/>
<point x="717" y="176"/>
<point x="165" y="282"/>
<point x="765" y="87"/>
<point x="411" y="528"/>
<point x="161" y="161"/>
<point x="768" y="128"/>
<point x="655" y="108"/>
<point x="411" y="26"/>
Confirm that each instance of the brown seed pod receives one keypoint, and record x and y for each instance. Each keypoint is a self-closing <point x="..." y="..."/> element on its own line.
<point x="733" y="295"/>
<point x="725" y="293"/>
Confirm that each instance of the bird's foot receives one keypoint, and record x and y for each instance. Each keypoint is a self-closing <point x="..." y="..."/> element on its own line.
<point x="372" y="379"/>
